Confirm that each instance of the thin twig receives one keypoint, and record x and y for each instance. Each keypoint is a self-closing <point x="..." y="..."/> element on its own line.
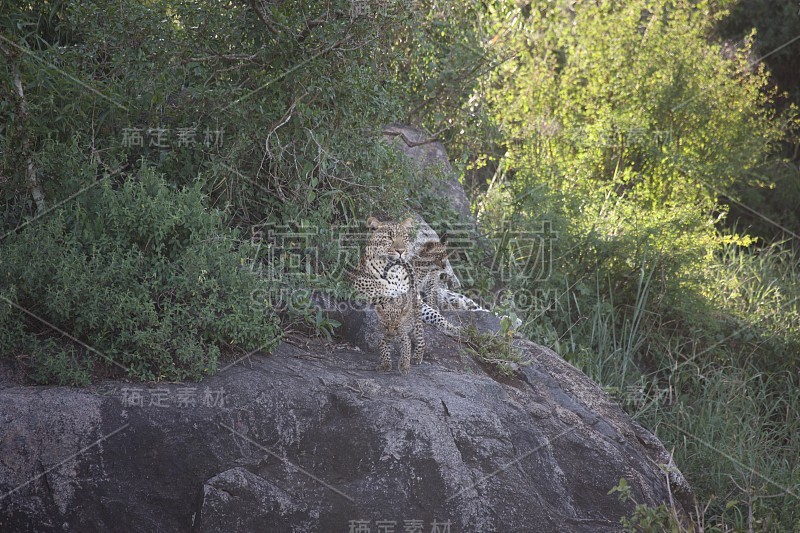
<point x="268" y="23"/>
<point x="409" y="142"/>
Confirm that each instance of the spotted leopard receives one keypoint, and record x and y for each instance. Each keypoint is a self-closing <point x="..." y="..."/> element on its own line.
<point x="430" y="266"/>
<point x="398" y="316"/>
<point x="378" y="276"/>
<point x="388" y="243"/>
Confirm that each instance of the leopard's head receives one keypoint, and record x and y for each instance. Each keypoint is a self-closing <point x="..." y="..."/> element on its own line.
<point x="389" y="239"/>
<point x="433" y="254"/>
<point x="391" y="318"/>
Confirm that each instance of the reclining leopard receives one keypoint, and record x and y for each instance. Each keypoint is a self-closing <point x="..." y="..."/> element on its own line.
<point x="429" y="267"/>
<point x="388" y="243"/>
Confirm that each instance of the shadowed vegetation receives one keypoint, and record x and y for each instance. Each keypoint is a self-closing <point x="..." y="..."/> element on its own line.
<point x="633" y="167"/>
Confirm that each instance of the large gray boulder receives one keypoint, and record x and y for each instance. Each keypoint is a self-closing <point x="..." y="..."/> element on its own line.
<point x="429" y="153"/>
<point x="312" y="438"/>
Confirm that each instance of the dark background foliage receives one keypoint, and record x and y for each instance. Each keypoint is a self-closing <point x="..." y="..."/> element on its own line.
<point x="633" y="167"/>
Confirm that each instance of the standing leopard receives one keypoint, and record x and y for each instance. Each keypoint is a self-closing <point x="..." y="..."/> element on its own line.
<point x="428" y="265"/>
<point x="398" y="316"/>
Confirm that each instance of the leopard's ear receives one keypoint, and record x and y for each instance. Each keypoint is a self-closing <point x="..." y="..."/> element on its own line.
<point x="427" y="246"/>
<point x="443" y="238"/>
<point x="379" y="309"/>
<point x="407" y="223"/>
<point x="373" y="223"/>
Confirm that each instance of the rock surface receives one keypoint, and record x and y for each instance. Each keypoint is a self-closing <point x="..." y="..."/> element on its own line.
<point x="312" y="438"/>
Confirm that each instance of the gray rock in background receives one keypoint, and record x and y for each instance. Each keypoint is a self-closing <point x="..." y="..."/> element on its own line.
<point x="415" y="144"/>
<point x="428" y="155"/>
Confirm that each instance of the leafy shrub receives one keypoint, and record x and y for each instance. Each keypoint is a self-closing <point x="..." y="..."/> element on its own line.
<point x="496" y="350"/>
<point x="135" y="276"/>
<point x="623" y="126"/>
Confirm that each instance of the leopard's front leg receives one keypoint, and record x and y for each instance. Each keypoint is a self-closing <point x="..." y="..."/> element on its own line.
<point x="405" y="359"/>
<point x="419" y="339"/>
<point x="386" y="356"/>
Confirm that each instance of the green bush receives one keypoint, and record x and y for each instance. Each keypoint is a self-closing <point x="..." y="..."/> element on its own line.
<point x="139" y="277"/>
<point x="775" y="193"/>
<point x="281" y="107"/>
<point x="623" y="125"/>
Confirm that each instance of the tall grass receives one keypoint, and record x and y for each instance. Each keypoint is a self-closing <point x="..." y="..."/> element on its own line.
<point x="721" y="393"/>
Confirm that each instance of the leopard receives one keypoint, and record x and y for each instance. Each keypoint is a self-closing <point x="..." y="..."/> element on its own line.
<point x="388" y="243"/>
<point x="427" y="264"/>
<point x="398" y="317"/>
<point x="378" y="278"/>
<point x="385" y="278"/>
<point x="430" y="266"/>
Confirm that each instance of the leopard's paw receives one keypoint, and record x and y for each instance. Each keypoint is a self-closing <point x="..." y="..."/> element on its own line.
<point x="404" y="367"/>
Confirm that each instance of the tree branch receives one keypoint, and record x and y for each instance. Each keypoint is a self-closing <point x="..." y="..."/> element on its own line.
<point x="268" y="23"/>
<point x="22" y="110"/>
<point x="409" y="142"/>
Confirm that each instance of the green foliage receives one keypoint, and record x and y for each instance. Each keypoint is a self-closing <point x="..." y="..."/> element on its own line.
<point x="739" y="427"/>
<point x="495" y="350"/>
<point x="757" y="291"/>
<point x="773" y="196"/>
<point x="135" y="276"/>
<point x="272" y="109"/>
<point x="623" y="124"/>
<point x="622" y="490"/>
<point x="777" y="25"/>
<point x="270" y="113"/>
<point x="308" y="317"/>
<point x="634" y="95"/>
<point x="647" y="519"/>
<point x="441" y="59"/>
<point x="721" y="392"/>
